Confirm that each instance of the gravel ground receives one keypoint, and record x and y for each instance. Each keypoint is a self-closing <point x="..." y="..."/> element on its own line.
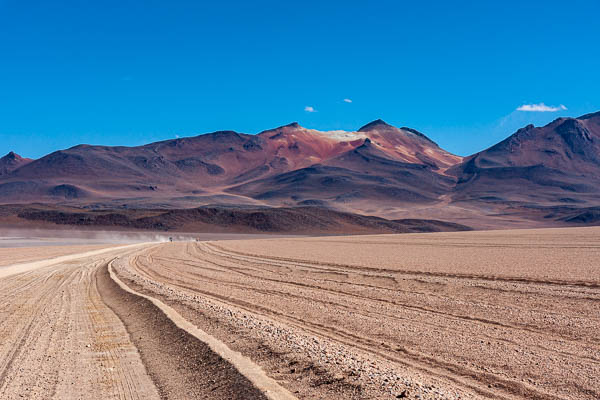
<point x="508" y="314"/>
<point x="58" y="340"/>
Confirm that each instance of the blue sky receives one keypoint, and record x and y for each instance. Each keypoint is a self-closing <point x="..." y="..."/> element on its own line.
<point x="130" y="72"/>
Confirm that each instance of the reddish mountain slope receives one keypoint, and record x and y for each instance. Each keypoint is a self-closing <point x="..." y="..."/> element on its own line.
<point x="378" y="163"/>
<point x="365" y="173"/>
<point x="303" y="147"/>
<point x="239" y="168"/>
<point x="546" y="174"/>
<point x="408" y="145"/>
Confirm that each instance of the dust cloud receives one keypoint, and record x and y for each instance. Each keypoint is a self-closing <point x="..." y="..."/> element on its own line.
<point x="14" y="237"/>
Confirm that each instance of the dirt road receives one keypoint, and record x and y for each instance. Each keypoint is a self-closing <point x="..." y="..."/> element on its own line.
<point x="68" y="332"/>
<point x="59" y="340"/>
<point x="15" y="255"/>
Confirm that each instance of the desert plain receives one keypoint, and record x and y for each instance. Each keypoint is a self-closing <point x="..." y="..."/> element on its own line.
<point x="483" y="314"/>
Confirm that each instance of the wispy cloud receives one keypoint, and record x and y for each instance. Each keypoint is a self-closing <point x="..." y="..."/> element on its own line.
<point x="309" y="109"/>
<point x="540" y="108"/>
<point x="347" y="101"/>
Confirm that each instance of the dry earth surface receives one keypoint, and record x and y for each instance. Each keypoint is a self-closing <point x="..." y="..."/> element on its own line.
<point x="497" y="314"/>
<point x="13" y="255"/>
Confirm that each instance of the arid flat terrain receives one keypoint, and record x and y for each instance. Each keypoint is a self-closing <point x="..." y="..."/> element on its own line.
<point x="13" y="255"/>
<point x="496" y="314"/>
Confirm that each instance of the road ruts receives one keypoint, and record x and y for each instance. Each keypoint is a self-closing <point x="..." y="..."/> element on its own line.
<point x="483" y="335"/>
<point x="58" y="340"/>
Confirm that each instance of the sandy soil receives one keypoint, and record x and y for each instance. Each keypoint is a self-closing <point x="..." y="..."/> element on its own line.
<point x="511" y="314"/>
<point x="67" y="331"/>
<point x="508" y="314"/>
<point x="14" y="255"/>
<point x="562" y="254"/>
<point x="59" y="340"/>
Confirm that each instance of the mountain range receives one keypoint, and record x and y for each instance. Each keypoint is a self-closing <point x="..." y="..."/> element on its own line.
<point x="537" y="176"/>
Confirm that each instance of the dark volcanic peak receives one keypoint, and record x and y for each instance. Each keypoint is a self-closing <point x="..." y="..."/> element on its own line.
<point x="293" y="125"/>
<point x="84" y="146"/>
<point x="377" y="124"/>
<point x="12" y="156"/>
<point x="522" y="132"/>
<point x="223" y="133"/>
<point x="565" y="127"/>
<point x="590" y="115"/>
<point x="419" y="134"/>
<point x="547" y="164"/>
<point x="290" y="125"/>
<point x="12" y="161"/>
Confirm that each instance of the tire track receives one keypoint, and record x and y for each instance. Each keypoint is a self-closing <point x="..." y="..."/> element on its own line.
<point x="493" y="278"/>
<point x="428" y="365"/>
<point x="436" y="295"/>
<point x="264" y="285"/>
<point x="240" y="270"/>
<point x="50" y="345"/>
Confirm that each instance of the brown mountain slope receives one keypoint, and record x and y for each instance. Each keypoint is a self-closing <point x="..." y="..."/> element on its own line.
<point x="365" y="173"/>
<point x="541" y="175"/>
<point x="297" y="220"/>
<point x="557" y="163"/>
<point x="221" y="166"/>
<point x="11" y="162"/>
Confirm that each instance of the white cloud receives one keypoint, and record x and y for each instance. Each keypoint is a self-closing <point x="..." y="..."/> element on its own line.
<point x="540" y="108"/>
<point x="347" y="101"/>
<point x="309" y="109"/>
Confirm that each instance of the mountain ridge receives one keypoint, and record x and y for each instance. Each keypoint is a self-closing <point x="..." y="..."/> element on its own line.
<point x="378" y="169"/>
<point x="11" y="162"/>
